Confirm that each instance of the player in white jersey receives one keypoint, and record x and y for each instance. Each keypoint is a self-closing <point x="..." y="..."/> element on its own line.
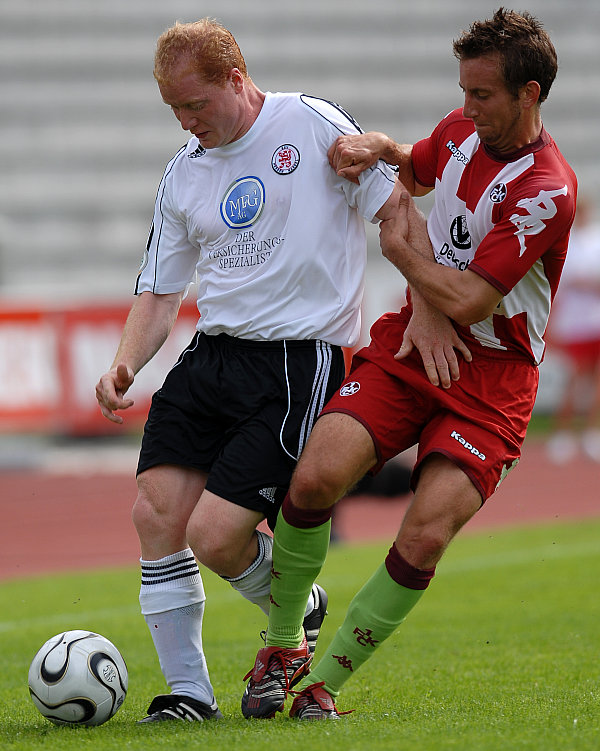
<point x="490" y="258"/>
<point x="251" y="207"/>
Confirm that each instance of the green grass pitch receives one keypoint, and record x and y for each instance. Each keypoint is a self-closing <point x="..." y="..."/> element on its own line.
<point x="502" y="653"/>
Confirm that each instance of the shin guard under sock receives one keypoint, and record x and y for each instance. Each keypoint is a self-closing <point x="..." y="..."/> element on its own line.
<point x="298" y="555"/>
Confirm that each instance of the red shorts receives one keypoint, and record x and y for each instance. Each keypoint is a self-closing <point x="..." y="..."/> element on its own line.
<point x="479" y="423"/>
<point x="585" y="354"/>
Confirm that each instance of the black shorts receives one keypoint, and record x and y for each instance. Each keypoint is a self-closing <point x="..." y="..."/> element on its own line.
<point x="241" y="411"/>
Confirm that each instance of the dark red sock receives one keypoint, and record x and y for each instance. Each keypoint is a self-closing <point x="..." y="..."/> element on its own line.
<point x="404" y="574"/>
<point x="304" y="518"/>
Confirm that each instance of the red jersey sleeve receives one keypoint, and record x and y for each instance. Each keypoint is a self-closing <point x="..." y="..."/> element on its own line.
<point x="528" y="226"/>
<point x="426" y="153"/>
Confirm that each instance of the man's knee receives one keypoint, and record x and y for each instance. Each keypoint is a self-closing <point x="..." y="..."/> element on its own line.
<point x="422" y="547"/>
<point x="222" y="535"/>
<point x="338" y="454"/>
<point x="224" y="554"/>
<point x="161" y="510"/>
<point x="312" y="488"/>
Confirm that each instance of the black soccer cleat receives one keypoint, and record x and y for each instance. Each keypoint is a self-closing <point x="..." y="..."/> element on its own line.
<point x="314" y="620"/>
<point x="177" y="707"/>
<point x="274" y="673"/>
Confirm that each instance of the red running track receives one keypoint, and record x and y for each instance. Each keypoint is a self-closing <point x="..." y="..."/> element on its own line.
<point x="64" y="522"/>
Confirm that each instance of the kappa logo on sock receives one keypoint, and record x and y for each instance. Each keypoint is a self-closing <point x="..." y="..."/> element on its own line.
<point x="268" y="493"/>
<point x="344" y="662"/>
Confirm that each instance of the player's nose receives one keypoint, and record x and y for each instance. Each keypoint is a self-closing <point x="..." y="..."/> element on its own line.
<point x="469" y="109"/>
<point x="187" y="119"/>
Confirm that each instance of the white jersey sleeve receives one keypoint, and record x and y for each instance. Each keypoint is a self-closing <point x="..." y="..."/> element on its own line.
<point x="174" y="269"/>
<point x="372" y="191"/>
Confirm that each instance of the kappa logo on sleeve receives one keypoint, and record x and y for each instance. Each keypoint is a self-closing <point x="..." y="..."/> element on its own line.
<point x="539" y="209"/>
<point x="349" y="389"/>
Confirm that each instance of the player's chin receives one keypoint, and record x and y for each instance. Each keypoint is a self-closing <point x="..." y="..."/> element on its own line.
<point x="208" y="140"/>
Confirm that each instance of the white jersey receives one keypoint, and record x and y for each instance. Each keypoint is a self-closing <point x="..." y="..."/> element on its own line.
<point x="274" y="238"/>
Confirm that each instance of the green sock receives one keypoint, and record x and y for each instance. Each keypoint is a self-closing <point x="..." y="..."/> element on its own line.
<point x="298" y="556"/>
<point x="374" y="613"/>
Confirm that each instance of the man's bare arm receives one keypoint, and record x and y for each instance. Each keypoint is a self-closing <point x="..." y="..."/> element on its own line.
<point x="463" y="296"/>
<point x="148" y="324"/>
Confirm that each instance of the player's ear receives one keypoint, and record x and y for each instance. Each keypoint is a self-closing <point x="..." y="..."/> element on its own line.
<point x="237" y="80"/>
<point x="529" y="94"/>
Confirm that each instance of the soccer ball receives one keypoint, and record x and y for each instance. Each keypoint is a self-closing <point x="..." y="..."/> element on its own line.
<point x="78" y="678"/>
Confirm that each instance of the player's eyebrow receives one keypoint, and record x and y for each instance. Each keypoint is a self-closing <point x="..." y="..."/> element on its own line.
<point x="192" y="103"/>
<point x="475" y="90"/>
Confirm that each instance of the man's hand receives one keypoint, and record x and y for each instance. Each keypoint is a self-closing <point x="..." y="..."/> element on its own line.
<point x="351" y="155"/>
<point x="110" y="391"/>
<point x="437" y="341"/>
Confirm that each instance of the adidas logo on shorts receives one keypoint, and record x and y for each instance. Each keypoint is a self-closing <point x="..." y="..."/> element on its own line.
<point x="268" y="493"/>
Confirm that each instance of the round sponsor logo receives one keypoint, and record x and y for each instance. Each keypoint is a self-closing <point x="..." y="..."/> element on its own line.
<point x="285" y="159"/>
<point x="349" y="389"/>
<point x="459" y="231"/>
<point x="243" y="202"/>
<point x="498" y="193"/>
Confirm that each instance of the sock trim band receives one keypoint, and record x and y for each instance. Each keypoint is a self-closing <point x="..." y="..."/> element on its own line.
<point x="304" y="518"/>
<point x="403" y="573"/>
<point x="172" y="568"/>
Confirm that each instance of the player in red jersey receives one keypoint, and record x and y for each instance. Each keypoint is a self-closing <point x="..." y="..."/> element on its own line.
<point x="489" y="258"/>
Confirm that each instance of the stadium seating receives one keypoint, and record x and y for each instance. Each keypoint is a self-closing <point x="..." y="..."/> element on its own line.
<point x="85" y="135"/>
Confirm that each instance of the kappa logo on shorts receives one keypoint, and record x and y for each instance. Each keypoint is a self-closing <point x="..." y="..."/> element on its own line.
<point x="349" y="389"/>
<point x="467" y="445"/>
<point x="285" y="159"/>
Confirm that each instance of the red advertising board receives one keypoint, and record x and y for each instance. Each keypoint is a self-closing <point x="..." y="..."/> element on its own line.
<point x="51" y="359"/>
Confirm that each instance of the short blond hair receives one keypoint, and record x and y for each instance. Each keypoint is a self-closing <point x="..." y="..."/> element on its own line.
<point x="210" y="48"/>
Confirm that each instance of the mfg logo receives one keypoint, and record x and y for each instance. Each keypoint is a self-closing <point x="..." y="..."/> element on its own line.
<point x="243" y="202"/>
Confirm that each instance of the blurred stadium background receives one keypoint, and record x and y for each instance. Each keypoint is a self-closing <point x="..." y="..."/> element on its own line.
<point x="85" y="137"/>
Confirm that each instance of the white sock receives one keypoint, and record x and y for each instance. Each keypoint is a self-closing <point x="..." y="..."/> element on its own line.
<point x="172" y="602"/>
<point x="255" y="582"/>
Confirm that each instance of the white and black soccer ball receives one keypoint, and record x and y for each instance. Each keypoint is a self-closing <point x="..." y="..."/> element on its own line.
<point x="78" y="678"/>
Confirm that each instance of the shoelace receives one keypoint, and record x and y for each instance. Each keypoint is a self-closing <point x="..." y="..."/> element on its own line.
<point x="284" y="662"/>
<point x="305" y="695"/>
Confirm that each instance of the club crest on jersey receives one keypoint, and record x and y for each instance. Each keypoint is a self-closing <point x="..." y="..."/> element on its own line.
<point x="349" y="389"/>
<point x="243" y="202"/>
<point x="498" y="193"/>
<point x="285" y="159"/>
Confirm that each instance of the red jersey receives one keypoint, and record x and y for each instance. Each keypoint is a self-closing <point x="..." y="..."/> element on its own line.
<point x="506" y="218"/>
